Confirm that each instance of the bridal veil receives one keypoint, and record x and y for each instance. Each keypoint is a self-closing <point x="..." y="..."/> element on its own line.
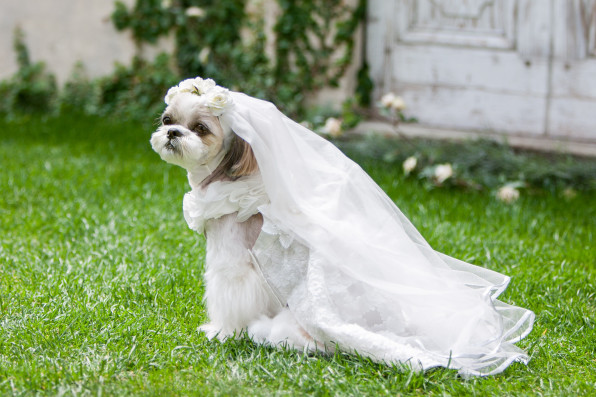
<point x="367" y="280"/>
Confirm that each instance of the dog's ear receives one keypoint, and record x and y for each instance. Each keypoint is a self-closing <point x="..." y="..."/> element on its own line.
<point x="241" y="158"/>
<point x="238" y="161"/>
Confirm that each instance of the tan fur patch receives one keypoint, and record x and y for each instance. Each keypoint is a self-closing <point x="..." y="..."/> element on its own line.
<point x="238" y="161"/>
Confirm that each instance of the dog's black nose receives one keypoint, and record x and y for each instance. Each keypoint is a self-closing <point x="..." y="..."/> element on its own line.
<point x="173" y="133"/>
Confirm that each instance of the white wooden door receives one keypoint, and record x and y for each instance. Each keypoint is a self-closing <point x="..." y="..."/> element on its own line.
<point x="572" y="107"/>
<point x="524" y="67"/>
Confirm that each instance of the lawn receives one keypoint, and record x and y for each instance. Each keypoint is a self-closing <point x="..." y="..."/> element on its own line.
<point x="100" y="278"/>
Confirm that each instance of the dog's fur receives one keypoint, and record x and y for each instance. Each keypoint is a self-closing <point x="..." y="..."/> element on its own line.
<point x="236" y="297"/>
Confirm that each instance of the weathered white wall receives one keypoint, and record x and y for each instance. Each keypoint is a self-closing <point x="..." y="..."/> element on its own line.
<point x="62" y="32"/>
<point x="516" y="67"/>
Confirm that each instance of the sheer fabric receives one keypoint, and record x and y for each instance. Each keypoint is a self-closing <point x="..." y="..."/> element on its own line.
<point x="352" y="268"/>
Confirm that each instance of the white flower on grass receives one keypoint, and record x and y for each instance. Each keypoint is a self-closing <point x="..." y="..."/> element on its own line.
<point x="569" y="193"/>
<point x="410" y="164"/>
<point x="391" y="101"/>
<point x="166" y="3"/>
<point x="194" y="12"/>
<point x="507" y="194"/>
<point x="398" y="103"/>
<point x="443" y="172"/>
<point x="204" y="55"/>
<point x="218" y="100"/>
<point x="333" y="127"/>
<point x="387" y="99"/>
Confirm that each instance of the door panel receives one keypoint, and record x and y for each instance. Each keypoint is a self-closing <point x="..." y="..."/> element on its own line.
<point x="518" y="67"/>
<point x="572" y="110"/>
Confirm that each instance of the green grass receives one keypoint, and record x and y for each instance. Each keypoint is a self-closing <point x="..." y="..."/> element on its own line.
<point x="100" y="279"/>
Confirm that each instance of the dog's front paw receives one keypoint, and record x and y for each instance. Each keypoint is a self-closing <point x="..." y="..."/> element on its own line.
<point x="211" y="331"/>
<point x="281" y="330"/>
<point x="260" y="329"/>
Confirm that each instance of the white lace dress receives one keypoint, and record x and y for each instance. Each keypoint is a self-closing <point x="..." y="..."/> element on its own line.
<point x="425" y="318"/>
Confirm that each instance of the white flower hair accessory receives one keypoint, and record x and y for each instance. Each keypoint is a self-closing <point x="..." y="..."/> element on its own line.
<point x="216" y="98"/>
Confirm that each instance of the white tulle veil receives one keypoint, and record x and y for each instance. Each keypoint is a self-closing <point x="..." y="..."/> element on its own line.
<point x="352" y="269"/>
<point x="372" y="283"/>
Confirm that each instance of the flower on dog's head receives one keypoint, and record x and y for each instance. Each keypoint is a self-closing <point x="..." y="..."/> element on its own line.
<point x="187" y="85"/>
<point x="217" y="99"/>
<point x="171" y="93"/>
<point x="204" y="86"/>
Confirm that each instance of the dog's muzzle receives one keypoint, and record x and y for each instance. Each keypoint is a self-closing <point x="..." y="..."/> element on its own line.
<point x="173" y="133"/>
<point x="172" y="144"/>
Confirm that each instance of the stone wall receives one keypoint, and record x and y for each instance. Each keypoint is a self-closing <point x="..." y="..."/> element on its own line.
<point x="62" y="32"/>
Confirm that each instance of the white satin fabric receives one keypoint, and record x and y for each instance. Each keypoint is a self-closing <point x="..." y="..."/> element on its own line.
<point x="350" y="266"/>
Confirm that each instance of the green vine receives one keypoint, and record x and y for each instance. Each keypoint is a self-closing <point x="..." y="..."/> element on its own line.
<point x="313" y="46"/>
<point x="31" y="89"/>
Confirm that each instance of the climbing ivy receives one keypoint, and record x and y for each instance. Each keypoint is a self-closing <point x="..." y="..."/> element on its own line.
<point x="312" y="46"/>
<point x="31" y="89"/>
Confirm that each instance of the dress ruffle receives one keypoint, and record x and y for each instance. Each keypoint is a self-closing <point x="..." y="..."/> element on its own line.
<point x="244" y="196"/>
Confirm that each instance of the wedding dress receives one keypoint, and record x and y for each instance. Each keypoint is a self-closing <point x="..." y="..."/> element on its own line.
<point x="355" y="273"/>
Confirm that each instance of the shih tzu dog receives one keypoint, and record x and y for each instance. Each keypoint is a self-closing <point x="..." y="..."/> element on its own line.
<point x="237" y="299"/>
<point x="305" y="249"/>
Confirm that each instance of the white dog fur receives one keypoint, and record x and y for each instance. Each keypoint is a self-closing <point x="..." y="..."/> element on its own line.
<point x="236" y="298"/>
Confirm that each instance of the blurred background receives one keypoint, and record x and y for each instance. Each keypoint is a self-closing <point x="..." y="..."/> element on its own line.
<point x="523" y="69"/>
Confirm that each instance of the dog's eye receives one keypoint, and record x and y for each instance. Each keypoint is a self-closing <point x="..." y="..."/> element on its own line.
<point x="201" y="129"/>
<point x="166" y="120"/>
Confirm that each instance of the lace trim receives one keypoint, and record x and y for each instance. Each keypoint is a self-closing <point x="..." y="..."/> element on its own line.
<point x="244" y="196"/>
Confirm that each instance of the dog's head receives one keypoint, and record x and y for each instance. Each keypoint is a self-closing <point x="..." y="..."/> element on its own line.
<point x="190" y="136"/>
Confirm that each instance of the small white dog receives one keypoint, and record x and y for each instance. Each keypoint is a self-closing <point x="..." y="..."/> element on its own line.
<point x="236" y="296"/>
<point x="304" y="248"/>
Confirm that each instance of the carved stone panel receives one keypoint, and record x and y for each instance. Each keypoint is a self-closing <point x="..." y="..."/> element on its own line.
<point x="476" y="23"/>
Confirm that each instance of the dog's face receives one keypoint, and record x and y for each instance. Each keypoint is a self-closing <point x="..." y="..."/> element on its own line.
<point x="189" y="135"/>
